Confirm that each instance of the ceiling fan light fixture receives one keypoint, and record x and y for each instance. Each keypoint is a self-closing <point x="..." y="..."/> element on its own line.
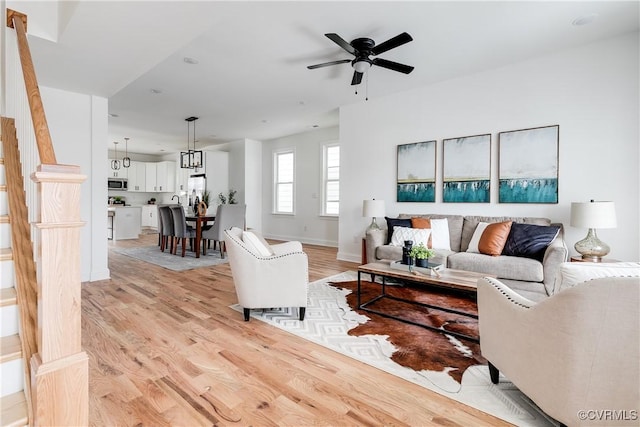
<point x="362" y="65"/>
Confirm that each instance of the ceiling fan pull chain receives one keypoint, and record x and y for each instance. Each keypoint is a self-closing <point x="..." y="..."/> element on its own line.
<point x="366" y="88"/>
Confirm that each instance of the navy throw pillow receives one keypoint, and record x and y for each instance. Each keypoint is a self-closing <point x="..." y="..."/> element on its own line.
<point x="395" y="222"/>
<point x="529" y="240"/>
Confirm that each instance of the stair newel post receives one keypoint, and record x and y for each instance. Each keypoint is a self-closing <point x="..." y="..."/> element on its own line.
<point x="59" y="371"/>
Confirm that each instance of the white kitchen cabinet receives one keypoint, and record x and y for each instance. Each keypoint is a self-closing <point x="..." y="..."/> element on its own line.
<point x="166" y="176"/>
<point x="126" y="223"/>
<point x="150" y="177"/>
<point x="183" y="180"/>
<point x="160" y="177"/>
<point x="120" y="173"/>
<point x="137" y="176"/>
<point x="150" y="216"/>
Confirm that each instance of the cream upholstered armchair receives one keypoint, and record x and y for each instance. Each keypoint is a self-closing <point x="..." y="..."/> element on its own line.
<point x="577" y="350"/>
<point x="264" y="275"/>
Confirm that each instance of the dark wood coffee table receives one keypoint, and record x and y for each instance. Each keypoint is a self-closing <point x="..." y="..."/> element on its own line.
<point x="457" y="280"/>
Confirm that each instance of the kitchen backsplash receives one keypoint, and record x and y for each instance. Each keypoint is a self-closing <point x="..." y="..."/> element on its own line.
<point x="135" y="198"/>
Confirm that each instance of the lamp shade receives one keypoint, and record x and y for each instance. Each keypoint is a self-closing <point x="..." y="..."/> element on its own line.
<point x="373" y="208"/>
<point x="593" y="214"/>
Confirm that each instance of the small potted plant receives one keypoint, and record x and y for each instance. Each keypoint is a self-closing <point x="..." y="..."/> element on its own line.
<point x="422" y="254"/>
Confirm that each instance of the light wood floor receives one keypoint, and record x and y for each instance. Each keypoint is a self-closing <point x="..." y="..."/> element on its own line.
<point x="166" y="349"/>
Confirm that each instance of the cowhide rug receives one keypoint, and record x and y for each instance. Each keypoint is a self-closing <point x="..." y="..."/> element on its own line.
<point x="420" y="348"/>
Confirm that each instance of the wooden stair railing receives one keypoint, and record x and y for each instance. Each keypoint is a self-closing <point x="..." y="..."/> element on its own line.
<point x="24" y="265"/>
<point x="58" y="366"/>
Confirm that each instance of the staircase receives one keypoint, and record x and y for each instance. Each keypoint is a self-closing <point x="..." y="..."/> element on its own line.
<point x="13" y="405"/>
<point x="43" y="370"/>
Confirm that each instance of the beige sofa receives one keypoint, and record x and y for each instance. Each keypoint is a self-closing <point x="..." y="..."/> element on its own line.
<point x="529" y="277"/>
<point x="574" y="353"/>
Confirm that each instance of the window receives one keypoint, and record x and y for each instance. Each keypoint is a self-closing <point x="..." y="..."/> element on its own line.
<point x="331" y="192"/>
<point x="283" y="192"/>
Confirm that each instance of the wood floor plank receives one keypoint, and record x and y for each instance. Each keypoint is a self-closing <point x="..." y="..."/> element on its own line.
<point x="165" y="349"/>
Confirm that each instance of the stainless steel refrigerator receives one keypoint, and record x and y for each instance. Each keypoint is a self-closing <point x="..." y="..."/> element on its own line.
<point x="196" y="186"/>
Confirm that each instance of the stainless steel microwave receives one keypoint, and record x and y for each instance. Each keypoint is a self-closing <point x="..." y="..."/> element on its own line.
<point x="118" y="184"/>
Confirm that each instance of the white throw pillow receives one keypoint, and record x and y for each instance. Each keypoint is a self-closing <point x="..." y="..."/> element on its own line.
<point x="475" y="240"/>
<point x="440" y="234"/>
<point x="255" y="245"/>
<point x="417" y="235"/>
<point x="571" y="273"/>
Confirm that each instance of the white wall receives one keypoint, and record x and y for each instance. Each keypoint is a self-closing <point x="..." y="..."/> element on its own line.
<point x="253" y="183"/>
<point x="217" y="169"/>
<point x="307" y="225"/>
<point x="78" y="126"/>
<point x="591" y="92"/>
<point x="245" y="176"/>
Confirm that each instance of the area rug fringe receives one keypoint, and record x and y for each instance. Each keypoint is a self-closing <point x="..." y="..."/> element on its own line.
<point x="328" y="320"/>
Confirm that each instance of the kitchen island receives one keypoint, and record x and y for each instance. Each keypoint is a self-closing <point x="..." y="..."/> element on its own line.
<point x="124" y="222"/>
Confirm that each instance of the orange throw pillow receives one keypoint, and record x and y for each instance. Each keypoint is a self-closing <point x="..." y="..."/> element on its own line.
<point x="418" y="222"/>
<point x="494" y="238"/>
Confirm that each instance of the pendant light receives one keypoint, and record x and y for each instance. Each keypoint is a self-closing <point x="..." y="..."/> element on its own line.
<point x="126" y="160"/>
<point x="115" y="163"/>
<point x="191" y="159"/>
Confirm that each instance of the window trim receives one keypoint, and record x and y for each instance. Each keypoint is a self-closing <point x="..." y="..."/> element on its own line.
<point x="325" y="180"/>
<point x="274" y="204"/>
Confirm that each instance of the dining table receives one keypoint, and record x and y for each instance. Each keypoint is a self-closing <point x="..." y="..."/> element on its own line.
<point x="201" y="221"/>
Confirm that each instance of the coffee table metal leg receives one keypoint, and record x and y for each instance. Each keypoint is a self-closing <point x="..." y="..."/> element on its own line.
<point x="358" y="305"/>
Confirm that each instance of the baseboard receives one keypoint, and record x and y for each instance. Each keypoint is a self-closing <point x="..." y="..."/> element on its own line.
<point x="308" y="241"/>
<point x="349" y="257"/>
<point x="100" y="275"/>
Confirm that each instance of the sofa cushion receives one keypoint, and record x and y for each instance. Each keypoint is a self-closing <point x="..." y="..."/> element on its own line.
<point x="416" y="235"/>
<point x="454" y="223"/>
<point x="529" y="240"/>
<point x="572" y="273"/>
<point x="505" y="267"/>
<point x="392" y="222"/>
<point x="418" y="222"/>
<point x="494" y="237"/>
<point x="255" y="244"/>
<point x="471" y="222"/>
<point x="475" y="239"/>
<point x="389" y="252"/>
<point x="440" y="234"/>
<point x="394" y="253"/>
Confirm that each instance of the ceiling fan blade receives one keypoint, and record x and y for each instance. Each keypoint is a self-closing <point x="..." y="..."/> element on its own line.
<point x="395" y="66"/>
<point x="393" y="42"/>
<point x="357" y="78"/>
<point x="326" y="64"/>
<point x="341" y="42"/>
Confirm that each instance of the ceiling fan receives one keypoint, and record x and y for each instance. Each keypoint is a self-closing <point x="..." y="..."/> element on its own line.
<point x="362" y="49"/>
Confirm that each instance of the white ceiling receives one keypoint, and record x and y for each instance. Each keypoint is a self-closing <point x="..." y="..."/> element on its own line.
<point x="251" y="79"/>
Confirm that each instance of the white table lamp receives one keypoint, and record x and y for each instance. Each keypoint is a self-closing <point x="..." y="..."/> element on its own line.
<point x="373" y="208"/>
<point x="593" y="215"/>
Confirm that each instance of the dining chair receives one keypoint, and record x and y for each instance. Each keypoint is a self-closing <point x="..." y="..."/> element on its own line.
<point x="165" y="227"/>
<point x="161" y="223"/>
<point x="181" y="230"/>
<point x="227" y="216"/>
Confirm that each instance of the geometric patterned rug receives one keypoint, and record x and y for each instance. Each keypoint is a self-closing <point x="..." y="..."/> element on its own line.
<point x="328" y="319"/>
